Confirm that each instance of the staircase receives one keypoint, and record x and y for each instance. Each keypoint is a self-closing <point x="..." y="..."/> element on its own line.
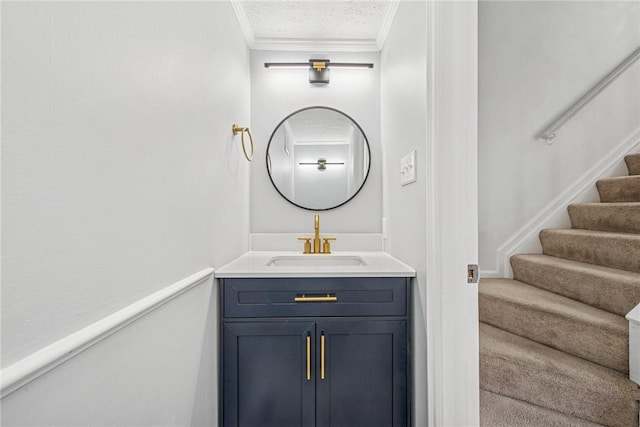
<point x="554" y="344"/>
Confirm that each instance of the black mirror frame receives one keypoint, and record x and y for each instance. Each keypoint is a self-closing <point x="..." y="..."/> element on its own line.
<point x="268" y="165"/>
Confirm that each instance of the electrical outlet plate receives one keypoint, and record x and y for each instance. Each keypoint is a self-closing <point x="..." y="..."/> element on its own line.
<point x="408" y="168"/>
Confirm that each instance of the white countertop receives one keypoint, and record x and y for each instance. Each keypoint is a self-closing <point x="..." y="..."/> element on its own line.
<point x="254" y="264"/>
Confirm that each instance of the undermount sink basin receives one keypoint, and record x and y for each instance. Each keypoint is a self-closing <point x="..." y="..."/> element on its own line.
<point x="317" y="260"/>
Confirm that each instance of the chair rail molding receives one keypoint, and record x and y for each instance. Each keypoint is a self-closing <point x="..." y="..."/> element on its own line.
<point x="21" y="373"/>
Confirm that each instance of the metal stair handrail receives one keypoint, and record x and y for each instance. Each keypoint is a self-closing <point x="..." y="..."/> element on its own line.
<point x="550" y="132"/>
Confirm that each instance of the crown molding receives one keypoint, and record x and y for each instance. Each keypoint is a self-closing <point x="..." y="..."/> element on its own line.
<point x="243" y="20"/>
<point x="383" y="33"/>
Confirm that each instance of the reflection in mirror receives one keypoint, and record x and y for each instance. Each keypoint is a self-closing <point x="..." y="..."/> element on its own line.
<point x="318" y="158"/>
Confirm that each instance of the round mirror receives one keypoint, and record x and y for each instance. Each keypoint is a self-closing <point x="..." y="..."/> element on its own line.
<point x="318" y="158"/>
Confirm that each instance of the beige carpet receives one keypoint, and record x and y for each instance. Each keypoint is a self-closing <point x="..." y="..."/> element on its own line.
<point x="554" y="344"/>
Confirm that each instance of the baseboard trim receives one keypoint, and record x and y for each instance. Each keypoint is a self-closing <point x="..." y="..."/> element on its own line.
<point x="42" y="361"/>
<point x="489" y="274"/>
<point x="526" y="236"/>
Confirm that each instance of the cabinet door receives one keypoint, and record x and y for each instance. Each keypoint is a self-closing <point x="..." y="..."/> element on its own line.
<point x="363" y="379"/>
<point x="265" y="382"/>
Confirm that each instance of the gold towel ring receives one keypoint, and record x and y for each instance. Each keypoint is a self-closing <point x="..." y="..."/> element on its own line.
<point x="237" y="129"/>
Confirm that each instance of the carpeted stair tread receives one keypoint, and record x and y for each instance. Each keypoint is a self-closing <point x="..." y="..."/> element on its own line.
<point x="537" y="374"/>
<point x="556" y="321"/>
<point x="616" y="217"/>
<point x="502" y="411"/>
<point x="610" y="289"/>
<point x="619" y="189"/>
<point x="633" y="163"/>
<point x="615" y="250"/>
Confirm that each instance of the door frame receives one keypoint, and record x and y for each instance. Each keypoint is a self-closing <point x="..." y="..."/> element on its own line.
<point x="452" y="214"/>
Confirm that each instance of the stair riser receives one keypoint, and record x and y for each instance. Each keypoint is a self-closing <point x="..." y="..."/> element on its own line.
<point x="615" y="294"/>
<point x="605" y="347"/>
<point x="501" y="411"/>
<point x="617" y="190"/>
<point x="605" y="217"/>
<point x="533" y="373"/>
<point x="633" y="164"/>
<point x="622" y="252"/>
<point x="543" y="388"/>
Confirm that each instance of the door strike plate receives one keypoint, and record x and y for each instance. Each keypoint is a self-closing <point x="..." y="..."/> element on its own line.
<point x="472" y="273"/>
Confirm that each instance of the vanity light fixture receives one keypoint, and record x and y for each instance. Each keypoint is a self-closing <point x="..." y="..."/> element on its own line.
<point x="322" y="164"/>
<point x="318" y="68"/>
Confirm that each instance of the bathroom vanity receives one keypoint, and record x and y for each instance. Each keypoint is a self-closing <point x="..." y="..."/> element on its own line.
<point x="319" y="340"/>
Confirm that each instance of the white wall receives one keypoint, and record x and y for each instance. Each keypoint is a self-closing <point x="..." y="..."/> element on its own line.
<point x="119" y="173"/>
<point x="403" y="123"/>
<point x="536" y="59"/>
<point x="143" y="375"/>
<point x="275" y="93"/>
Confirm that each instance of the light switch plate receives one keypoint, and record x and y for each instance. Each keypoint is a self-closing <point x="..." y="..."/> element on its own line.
<point x="408" y="168"/>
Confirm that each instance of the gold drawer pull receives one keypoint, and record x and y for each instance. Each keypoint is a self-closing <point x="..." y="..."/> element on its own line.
<point x="304" y="298"/>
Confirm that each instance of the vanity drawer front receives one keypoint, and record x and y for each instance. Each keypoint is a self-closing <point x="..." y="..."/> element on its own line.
<point x="294" y="297"/>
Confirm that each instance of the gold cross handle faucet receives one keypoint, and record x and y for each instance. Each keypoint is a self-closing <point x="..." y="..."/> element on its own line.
<point x="316" y="247"/>
<point x="326" y="246"/>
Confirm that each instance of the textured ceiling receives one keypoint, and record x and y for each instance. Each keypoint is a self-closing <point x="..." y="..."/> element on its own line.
<point x="319" y="124"/>
<point x="321" y="23"/>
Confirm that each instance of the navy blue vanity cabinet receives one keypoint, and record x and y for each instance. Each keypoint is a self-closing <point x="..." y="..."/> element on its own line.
<point x="265" y="383"/>
<point x="305" y="352"/>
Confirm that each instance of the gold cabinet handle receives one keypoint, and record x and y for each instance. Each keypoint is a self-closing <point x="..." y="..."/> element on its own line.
<point x="328" y="298"/>
<point x="308" y="358"/>
<point x="322" y="357"/>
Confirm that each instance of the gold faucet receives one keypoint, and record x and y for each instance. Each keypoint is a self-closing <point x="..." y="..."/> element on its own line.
<point x="316" y="235"/>
<point x="316" y="248"/>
